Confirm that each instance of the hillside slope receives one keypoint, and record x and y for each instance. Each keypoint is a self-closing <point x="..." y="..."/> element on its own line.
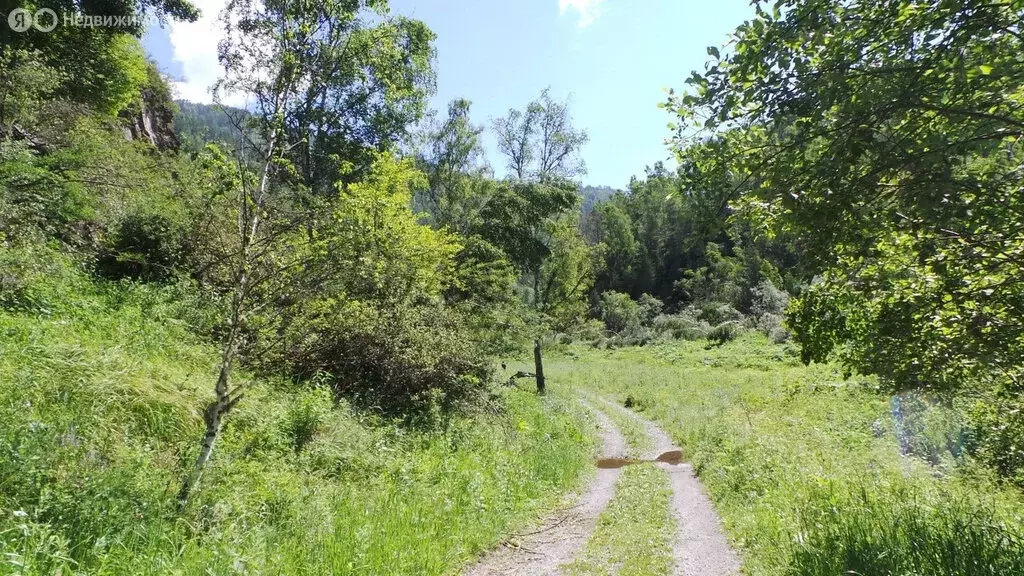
<point x="101" y="389"/>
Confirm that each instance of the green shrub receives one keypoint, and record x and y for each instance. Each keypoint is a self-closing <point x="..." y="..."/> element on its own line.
<point x="724" y="332"/>
<point x="35" y="201"/>
<point x="400" y="360"/>
<point x="780" y="335"/>
<point x="650" y="308"/>
<point x="767" y="299"/>
<point x="682" y="326"/>
<point x="590" y="330"/>
<point x="638" y="337"/>
<point x="766" y="312"/>
<point x="144" y="246"/>
<point x="307" y="415"/>
<point x="719" y="280"/>
<point x="619" y="312"/>
<point x="38" y="279"/>
<point x="926" y="428"/>
<point x="995" y="423"/>
<point x="715" y="313"/>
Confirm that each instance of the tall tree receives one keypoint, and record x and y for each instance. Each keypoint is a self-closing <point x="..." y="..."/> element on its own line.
<point x="369" y="85"/>
<point x="291" y="62"/>
<point x="458" y="176"/>
<point x="615" y="232"/>
<point x="101" y="66"/>
<point x="515" y="133"/>
<point x="889" y="136"/>
<point x="542" y="148"/>
<point x="567" y="275"/>
<point x="365" y="84"/>
<point x="540" y="142"/>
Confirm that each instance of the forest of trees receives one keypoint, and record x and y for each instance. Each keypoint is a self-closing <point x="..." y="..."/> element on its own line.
<point x="850" y="180"/>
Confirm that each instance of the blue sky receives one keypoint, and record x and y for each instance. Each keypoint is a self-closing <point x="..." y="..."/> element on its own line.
<point x="613" y="60"/>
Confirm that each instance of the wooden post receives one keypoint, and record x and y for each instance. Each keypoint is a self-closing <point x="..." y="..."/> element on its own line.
<point x="538" y="366"/>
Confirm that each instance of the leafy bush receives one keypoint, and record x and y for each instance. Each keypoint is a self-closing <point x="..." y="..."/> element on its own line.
<point x="765" y="322"/>
<point x="145" y="246"/>
<point x="780" y="335"/>
<point x="766" y="311"/>
<point x="33" y="199"/>
<point x="632" y="321"/>
<point x="399" y="360"/>
<point x="715" y="313"/>
<point x="640" y="337"/>
<point x="995" y="423"/>
<point x="37" y="278"/>
<point x="619" y="312"/>
<point x="927" y="429"/>
<point x="720" y="280"/>
<point x="368" y="309"/>
<point x="484" y="293"/>
<point x="724" y="332"/>
<point x="683" y="326"/>
<point x="308" y="413"/>
<point x="767" y="299"/>
<point x="590" y="330"/>
<point x="650" y="308"/>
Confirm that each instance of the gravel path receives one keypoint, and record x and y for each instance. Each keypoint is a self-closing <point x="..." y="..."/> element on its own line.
<point x="560" y="537"/>
<point x="701" y="548"/>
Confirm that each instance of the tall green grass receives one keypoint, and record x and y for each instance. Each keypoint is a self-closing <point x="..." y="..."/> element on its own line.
<point x="101" y="389"/>
<point x="804" y="466"/>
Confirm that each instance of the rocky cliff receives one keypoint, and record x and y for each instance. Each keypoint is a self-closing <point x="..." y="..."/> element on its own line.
<point x="152" y="120"/>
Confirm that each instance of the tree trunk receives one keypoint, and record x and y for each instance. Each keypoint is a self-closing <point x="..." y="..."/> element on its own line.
<point x="249" y="220"/>
<point x="538" y="367"/>
<point x="213" y="416"/>
<point x="209" y="439"/>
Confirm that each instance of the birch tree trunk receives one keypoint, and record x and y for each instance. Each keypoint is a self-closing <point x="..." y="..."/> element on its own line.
<point x="249" y="220"/>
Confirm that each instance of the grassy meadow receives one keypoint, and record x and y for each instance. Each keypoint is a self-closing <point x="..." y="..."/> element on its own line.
<point x="101" y="392"/>
<point x="804" y="466"/>
<point x="102" y="386"/>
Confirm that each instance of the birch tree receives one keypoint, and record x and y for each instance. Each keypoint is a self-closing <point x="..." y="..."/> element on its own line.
<point x="274" y="55"/>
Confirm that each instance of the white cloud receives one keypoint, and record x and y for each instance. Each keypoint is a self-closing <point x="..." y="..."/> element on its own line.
<point x="588" y="10"/>
<point x="195" y="47"/>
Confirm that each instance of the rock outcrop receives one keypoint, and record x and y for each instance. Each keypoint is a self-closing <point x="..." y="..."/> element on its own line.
<point x="152" y="120"/>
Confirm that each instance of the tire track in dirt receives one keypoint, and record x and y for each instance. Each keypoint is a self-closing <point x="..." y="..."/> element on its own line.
<point x="559" y="538"/>
<point x="701" y="548"/>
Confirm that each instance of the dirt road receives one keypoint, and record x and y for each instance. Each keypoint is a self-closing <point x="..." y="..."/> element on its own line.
<point x="700" y="546"/>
